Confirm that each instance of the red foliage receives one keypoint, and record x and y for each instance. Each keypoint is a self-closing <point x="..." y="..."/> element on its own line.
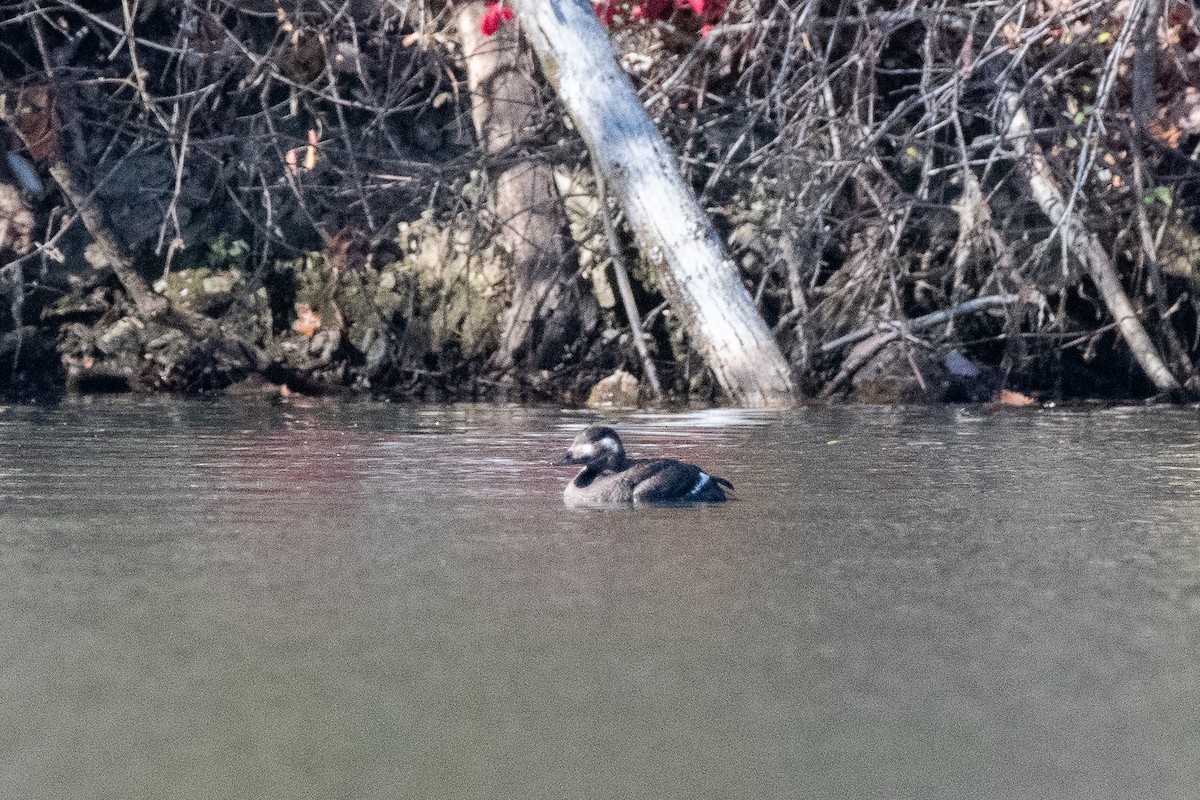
<point x="493" y="15"/>
<point x="707" y="12"/>
<point x="605" y="11"/>
<point x="654" y="10"/>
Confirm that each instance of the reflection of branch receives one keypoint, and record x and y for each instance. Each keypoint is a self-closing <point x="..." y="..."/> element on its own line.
<point x="1083" y="243"/>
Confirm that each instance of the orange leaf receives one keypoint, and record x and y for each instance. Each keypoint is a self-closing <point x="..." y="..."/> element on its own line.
<point x="1007" y="397"/>
<point x="1165" y="133"/>
<point x="307" y="321"/>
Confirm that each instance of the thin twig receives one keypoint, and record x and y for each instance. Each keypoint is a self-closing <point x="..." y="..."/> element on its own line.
<point x="625" y="287"/>
<point x="894" y="329"/>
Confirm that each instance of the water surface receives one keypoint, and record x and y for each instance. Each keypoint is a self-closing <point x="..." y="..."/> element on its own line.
<point x="246" y="599"/>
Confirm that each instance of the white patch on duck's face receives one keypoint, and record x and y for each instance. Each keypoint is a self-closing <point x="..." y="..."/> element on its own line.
<point x="700" y="484"/>
<point x="588" y="450"/>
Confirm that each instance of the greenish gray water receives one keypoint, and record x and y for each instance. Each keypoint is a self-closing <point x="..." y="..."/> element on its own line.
<point x="241" y="599"/>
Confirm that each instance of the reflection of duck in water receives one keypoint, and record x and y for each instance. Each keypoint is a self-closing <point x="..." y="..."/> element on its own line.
<point x="609" y="477"/>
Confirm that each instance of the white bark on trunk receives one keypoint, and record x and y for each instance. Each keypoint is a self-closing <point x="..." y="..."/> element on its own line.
<point x="699" y="279"/>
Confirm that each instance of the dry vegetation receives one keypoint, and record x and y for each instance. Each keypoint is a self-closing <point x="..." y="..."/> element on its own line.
<point x="941" y="200"/>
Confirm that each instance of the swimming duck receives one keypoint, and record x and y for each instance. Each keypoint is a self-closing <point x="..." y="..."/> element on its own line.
<point x="609" y="477"/>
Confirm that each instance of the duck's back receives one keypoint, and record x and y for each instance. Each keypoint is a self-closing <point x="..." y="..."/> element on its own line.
<point x="662" y="480"/>
<point x="667" y="480"/>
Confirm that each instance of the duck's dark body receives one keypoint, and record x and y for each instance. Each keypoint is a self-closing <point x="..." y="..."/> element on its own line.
<point x="608" y="477"/>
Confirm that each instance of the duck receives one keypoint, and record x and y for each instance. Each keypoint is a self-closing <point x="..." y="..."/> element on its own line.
<point x="609" y="478"/>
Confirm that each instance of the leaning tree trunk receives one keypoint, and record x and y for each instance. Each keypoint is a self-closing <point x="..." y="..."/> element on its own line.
<point x="548" y="306"/>
<point x="1083" y="243"/>
<point x="698" y="277"/>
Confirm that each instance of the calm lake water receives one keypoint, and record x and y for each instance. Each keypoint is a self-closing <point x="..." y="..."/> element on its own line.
<point x="247" y="599"/>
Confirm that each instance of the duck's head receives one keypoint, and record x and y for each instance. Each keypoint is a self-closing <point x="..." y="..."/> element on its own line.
<point x="599" y="447"/>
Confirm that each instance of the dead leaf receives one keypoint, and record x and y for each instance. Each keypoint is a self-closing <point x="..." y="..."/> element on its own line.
<point x="1011" y="33"/>
<point x="1179" y="14"/>
<point x="1166" y="134"/>
<point x="308" y="322"/>
<point x="1007" y="397"/>
<point x="37" y="122"/>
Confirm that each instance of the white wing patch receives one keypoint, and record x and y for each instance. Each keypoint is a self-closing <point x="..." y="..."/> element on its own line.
<point x="700" y="484"/>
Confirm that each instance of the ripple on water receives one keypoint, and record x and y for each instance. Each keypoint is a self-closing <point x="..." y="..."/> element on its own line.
<point x="366" y="600"/>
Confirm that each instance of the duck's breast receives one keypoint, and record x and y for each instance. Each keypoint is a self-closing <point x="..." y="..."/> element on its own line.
<point x="608" y="488"/>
